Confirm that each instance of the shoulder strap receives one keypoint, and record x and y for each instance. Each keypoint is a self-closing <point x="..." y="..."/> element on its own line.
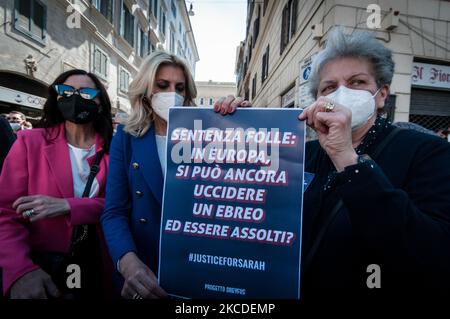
<point x="94" y="170"/>
<point x="80" y="232"/>
<point x="340" y="203"/>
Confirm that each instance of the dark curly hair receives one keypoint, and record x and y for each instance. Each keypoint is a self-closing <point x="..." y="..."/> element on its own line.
<point x="102" y="124"/>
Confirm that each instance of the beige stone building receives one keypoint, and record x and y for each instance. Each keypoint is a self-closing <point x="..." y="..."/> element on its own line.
<point x="273" y="62"/>
<point x="39" y="39"/>
<point x="208" y="92"/>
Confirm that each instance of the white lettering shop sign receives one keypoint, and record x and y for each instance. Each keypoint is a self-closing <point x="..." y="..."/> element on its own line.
<point x="21" y="98"/>
<point x="431" y="75"/>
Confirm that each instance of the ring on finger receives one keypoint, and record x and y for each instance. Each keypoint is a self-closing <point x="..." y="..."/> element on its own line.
<point x="29" y="213"/>
<point x="329" y="107"/>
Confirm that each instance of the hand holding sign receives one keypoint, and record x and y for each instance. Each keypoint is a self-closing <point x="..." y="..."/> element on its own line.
<point x="232" y="205"/>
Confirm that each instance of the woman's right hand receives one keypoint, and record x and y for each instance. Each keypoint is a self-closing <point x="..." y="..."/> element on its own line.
<point x="36" y="284"/>
<point x="140" y="281"/>
<point x="227" y="105"/>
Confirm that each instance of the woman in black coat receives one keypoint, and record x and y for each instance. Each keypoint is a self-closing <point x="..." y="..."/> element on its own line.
<point x="377" y="213"/>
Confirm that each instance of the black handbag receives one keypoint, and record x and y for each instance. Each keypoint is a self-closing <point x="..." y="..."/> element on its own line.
<point x="84" y="252"/>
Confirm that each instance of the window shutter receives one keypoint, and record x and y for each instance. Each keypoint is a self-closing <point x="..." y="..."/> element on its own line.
<point x="284" y="24"/>
<point x="122" y="20"/>
<point x="37" y="25"/>
<point x="105" y="65"/>
<point x="263" y="68"/>
<point x="96" y="61"/>
<point x="23" y="14"/>
<point x="294" y="18"/>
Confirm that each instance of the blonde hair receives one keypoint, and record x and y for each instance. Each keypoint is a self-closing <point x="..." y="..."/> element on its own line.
<point x="141" y="115"/>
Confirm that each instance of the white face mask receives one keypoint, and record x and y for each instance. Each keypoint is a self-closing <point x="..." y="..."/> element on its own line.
<point x="360" y="102"/>
<point x="161" y="102"/>
<point x="15" y="126"/>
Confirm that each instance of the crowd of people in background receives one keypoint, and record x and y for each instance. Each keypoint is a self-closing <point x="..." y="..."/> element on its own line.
<point x="10" y="124"/>
<point x="17" y="120"/>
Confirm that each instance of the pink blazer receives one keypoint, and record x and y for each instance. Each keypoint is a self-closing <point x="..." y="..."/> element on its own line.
<point x="39" y="163"/>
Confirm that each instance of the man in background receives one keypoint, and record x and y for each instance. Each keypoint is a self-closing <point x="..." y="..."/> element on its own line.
<point x="16" y="120"/>
<point x="7" y="138"/>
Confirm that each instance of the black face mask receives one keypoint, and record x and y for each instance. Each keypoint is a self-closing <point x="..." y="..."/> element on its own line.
<point x="78" y="110"/>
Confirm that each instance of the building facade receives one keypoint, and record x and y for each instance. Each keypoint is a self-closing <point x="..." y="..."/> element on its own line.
<point x="209" y="92"/>
<point x="40" y="39"/>
<point x="273" y="62"/>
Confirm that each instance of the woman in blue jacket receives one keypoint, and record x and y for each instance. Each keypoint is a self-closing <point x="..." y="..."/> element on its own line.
<point x="132" y="215"/>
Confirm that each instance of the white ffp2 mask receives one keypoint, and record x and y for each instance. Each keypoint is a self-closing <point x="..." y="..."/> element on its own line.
<point x="360" y="102"/>
<point x="162" y="101"/>
<point x="15" y="126"/>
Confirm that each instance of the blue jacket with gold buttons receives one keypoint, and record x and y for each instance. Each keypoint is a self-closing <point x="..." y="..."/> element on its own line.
<point x="134" y="188"/>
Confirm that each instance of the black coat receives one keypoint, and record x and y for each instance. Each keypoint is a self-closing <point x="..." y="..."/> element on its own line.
<point x="395" y="213"/>
<point x="7" y="138"/>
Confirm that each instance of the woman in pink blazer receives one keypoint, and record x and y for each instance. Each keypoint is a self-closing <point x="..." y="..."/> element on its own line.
<point x="42" y="184"/>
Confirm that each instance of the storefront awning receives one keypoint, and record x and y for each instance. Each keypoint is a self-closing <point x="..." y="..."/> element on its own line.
<point x="22" y="90"/>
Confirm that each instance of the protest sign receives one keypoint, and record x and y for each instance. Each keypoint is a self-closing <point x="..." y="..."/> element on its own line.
<point x="232" y="205"/>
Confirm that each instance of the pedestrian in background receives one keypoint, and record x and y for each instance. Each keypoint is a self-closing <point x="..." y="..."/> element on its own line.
<point x="414" y="126"/>
<point x="16" y="120"/>
<point x="7" y="138"/>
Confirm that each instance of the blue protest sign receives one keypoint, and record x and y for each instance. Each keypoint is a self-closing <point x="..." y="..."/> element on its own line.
<point x="232" y="205"/>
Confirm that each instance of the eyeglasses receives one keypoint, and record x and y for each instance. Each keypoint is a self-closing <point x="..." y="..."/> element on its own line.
<point x="67" y="91"/>
<point x="13" y="118"/>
